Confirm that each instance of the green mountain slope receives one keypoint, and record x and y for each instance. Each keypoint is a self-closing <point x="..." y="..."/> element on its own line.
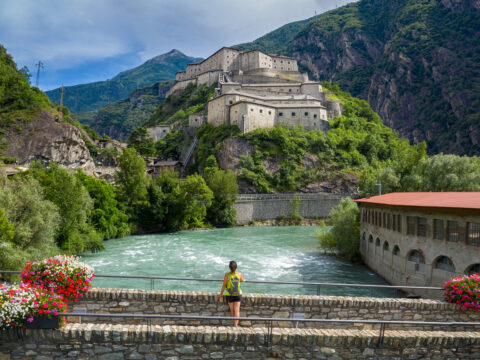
<point x="119" y="118"/>
<point x="417" y="63"/>
<point x="93" y="96"/>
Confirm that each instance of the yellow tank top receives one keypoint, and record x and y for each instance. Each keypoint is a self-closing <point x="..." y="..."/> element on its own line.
<point x="233" y="285"/>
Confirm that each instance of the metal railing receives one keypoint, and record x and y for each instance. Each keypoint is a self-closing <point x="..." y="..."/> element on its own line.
<point x="270" y="321"/>
<point x="318" y="285"/>
<point x="290" y="196"/>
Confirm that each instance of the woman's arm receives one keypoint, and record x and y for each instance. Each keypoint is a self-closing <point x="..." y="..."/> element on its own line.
<point x="225" y="280"/>
<point x="242" y="279"/>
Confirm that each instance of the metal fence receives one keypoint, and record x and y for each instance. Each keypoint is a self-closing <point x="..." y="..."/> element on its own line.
<point x="290" y="196"/>
<point x="318" y="285"/>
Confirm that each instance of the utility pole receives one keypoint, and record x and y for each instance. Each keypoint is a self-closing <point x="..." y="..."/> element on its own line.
<point x="39" y="66"/>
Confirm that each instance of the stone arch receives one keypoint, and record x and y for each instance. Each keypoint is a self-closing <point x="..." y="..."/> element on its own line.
<point x="377" y="242"/>
<point x="396" y="250"/>
<point x="444" y="263"/>
<point x="386" y="246"/>
<point x="370" y="239"/>
<point x="472" y="269"/>
<point x="416" y="257"/>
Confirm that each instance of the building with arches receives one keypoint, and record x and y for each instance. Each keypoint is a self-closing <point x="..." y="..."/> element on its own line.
<point x="421" y="239"/>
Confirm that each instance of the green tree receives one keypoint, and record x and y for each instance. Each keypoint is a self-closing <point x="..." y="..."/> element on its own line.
<point x="223" y="184"/>
<point x="344" y="236"/>
<point x="185" y="200"/>
<point x="152" y="213"/>
<point x="132" y="181"/>
<point x="75" y="205"/>
<point x="28" y="223"/>
<point x="141" y="141"/>
<point x="106" y="216"/>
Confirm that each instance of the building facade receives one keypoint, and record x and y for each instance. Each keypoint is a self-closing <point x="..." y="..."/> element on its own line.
<point x="159" y="131"/>
<point x="421" y="239"/>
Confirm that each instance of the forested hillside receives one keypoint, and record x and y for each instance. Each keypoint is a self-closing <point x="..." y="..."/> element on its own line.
<point x="93" y="96"/>
<point x="417" y="63"/>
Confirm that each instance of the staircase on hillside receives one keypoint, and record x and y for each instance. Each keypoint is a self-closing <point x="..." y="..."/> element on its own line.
<point x="188" y="155"/>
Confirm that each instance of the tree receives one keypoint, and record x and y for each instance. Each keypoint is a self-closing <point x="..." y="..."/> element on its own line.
<point x="185" y="201"/>
<point x="152" y="213"/>
<point x="28" y="223"/>
<point x="141" y="141"/>
<point x="106" y="217"/>
<point x="344" y="236"/>
<point x="75" y="234"/>
<point x="132" y="181"/>
<point x="225" y="189"/>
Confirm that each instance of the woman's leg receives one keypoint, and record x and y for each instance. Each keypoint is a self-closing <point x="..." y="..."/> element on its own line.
<point x="236" y="311"/>
<point x="232" y="309"/>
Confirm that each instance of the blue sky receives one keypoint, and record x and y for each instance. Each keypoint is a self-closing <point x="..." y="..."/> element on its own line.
<point x="81" y="41"/>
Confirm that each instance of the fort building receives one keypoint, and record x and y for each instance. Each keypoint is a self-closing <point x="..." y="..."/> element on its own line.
<point x="158" y="131"/>
<point x="421" y="239"/>
<point x="258" y="90"/>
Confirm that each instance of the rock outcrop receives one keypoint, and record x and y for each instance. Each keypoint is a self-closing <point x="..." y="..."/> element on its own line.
<point x="45" y="139"/>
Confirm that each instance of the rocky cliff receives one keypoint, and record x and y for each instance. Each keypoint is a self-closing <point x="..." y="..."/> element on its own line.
<point x="45" y="139"/>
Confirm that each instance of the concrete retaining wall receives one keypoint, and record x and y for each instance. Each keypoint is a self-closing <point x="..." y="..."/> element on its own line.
<point x="272" y="306"/>
<point x="119" y="342"/>
<point x="270" y="207"/>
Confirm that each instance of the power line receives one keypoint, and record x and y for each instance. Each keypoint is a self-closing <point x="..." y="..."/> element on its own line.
<point x="39" y="66"/>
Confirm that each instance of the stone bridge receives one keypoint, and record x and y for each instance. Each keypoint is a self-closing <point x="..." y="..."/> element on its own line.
<point x="116" y="338"/>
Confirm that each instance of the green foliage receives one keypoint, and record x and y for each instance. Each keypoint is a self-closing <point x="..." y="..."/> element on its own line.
<point x="223" y="183"/>
<point x="93" y="96"/>
<point x="211" y="140"/>
<point x="108" y="156"/>
<point x="132" y="181"/>
<point x="294" y="215"/>
<point x="65" y="190"/>
<point x="169" y="146"/>
<point x="28" y="223"/>
<point x="344" y="236"/>
<point x="141" y="141"/>
<point x="106" y="216"/>
<point x="185" y="201"/>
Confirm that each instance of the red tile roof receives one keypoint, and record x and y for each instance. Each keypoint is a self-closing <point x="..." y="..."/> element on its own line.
<point x="457" y="200"/>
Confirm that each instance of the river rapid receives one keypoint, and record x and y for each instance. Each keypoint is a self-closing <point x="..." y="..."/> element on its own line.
<point x="283" y="253"/>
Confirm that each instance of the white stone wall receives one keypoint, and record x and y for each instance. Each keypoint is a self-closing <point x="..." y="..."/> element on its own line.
<point x="196" y="120"/>
<point x="158" y="132"/>
<point x="280" y="63"/>
<point x="311" y="118"/>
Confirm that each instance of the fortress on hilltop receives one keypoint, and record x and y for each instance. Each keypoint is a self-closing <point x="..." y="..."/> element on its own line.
<point x="258" y="90"/>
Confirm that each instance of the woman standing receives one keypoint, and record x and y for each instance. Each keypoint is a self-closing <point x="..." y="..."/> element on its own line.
<point x="231" y="282"/>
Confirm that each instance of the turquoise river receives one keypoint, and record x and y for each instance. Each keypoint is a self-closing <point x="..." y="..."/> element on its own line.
<point x="263" y="253"/>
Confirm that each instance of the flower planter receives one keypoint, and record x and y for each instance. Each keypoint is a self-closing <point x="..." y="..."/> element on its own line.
<point x="43" y="322"/>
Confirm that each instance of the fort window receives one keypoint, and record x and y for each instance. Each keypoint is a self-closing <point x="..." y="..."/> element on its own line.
<point x="370" y="239"/>
<point x="314" y="124"/>
<point x="269" y="113"/>
<point x="411" y="221"/>
<point x="444" y="263"/>
<point x="399" y="223"/>
<point x="281" y="62"/>
<point x="438" y="229"/>
<point x="394" y="223"/>
<point x="314" y="116"/>
<point x="386" y="247"/>
<point x="306" y="113"/>
<point x="473" y="269"/>
<point x="473" y="234"/>
<point x="377" y="242"/>
<point x="294" y="114"/>
<point x="261" y="111"/>
<point x="396" y="250"/>
<point x="384" y="222"/>
<point x="289" y="62"/>
<point x="289" y="90"/>
<point x="280" y="114"/>
<point x="421" y="226"/>
<point x="251" y="109"/>
<point x="452" y="231"/>
<point x="230" y="102"/>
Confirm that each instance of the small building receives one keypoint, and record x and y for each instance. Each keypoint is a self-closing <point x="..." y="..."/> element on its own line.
<point x="164" y="165"/>
<point x="196" y="120"/>
<point x="158" y="131"/>
<point x="421" y="238"/>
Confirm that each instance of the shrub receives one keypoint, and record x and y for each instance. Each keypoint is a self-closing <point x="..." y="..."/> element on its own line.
<point x="63" y="274"/>
<point x="464" y="291"/>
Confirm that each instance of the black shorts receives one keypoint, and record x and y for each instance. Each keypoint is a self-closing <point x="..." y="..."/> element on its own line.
<point x="232" y="299"/>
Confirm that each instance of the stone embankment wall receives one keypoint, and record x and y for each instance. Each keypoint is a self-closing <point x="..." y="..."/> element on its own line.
<point x="272" y="206"/>
<point x="122" y="342"/>
<point x="272" y="306"/>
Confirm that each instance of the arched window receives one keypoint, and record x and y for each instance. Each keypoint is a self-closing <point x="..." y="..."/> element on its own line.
<point x="370" y="239"/>
<point x="386" y="247"/>
<point x="377" y="242"/>
<point x="473" y="269"/>
<point x="444" y="263"/>
<point x="396" y="250"/>
<point x="416" y="257"/>
<point x="364" y="237"/>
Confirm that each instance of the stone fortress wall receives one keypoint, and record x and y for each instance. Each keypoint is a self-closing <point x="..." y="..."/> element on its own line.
<point x="259" y="90"/>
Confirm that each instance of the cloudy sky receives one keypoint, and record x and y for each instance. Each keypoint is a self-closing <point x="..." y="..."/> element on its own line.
<point x="81" y="41"/>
